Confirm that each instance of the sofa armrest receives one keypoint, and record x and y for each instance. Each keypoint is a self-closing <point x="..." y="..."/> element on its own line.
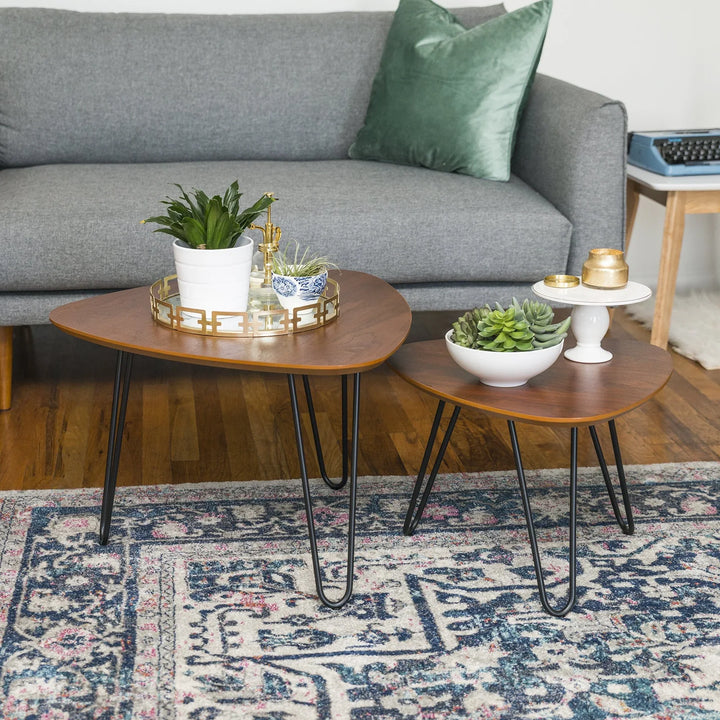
<point x="571" y="148"/>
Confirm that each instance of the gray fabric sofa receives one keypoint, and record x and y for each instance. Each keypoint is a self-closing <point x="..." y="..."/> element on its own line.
<point x="100" y="113"/>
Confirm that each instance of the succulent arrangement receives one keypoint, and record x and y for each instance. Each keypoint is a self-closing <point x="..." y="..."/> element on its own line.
<point x="212" y="223"/>
<point x="292" y="264"/>
<point x="516" y="328"/>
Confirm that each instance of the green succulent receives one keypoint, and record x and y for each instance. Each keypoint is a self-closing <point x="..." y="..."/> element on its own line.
<point x="212" y="223"/>
<point x="517" y="328"/>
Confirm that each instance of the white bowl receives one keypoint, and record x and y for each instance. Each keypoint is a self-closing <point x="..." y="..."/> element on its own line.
<point x="503" y="369"/>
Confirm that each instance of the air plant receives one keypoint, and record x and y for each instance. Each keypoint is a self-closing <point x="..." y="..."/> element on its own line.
<point x="292" y="264"/>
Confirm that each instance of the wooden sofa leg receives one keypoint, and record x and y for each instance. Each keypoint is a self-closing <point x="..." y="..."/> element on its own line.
<point x="6" y="343"/>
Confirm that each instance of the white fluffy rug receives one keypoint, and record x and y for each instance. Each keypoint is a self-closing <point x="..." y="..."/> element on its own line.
<point x="694" y="325"/>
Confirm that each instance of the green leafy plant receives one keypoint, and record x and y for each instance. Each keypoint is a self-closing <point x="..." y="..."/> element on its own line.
<point x="296" y="265"/>
<point x="211" y="223"/>
<point x="517" y="328"/>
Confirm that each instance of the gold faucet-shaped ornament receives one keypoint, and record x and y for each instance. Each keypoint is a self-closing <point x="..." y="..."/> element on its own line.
<point x="269" y="245"/>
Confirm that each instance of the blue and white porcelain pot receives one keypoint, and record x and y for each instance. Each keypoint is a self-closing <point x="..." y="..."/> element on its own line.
<point x="293" y="291"/>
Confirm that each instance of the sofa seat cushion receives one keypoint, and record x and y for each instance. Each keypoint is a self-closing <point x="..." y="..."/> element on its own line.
<point x="77" y="227"/>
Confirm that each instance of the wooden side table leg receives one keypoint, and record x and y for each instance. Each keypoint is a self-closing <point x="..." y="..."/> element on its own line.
<point x="631" y="205"/>
<point x="6" y="348"/>
<point x="669" y="261"/>
<point x="632" y="202"/>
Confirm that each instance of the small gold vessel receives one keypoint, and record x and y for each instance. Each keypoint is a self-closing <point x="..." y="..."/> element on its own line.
<point x="561" y="281"/>
<point x="606" y="269"/>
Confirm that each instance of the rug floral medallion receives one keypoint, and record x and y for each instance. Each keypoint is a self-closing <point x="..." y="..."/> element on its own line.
<point x="203" y="606"/>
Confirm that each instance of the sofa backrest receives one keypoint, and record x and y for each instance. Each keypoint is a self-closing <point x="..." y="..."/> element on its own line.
<point x="83" y="87"/>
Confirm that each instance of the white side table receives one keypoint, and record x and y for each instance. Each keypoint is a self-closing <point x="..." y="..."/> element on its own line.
<point x="688" y="194"/>
<point x="590" y="317"/>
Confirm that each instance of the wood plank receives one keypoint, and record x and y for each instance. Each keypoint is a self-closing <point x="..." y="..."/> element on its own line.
<point x="6" y="358"/>
<point x="156" y="435"/>
<point x="184" y="431"/>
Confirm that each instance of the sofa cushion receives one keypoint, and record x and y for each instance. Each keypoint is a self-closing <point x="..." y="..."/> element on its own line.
<point x="449" y="98"/>
<point x="374" y="217"/>
<point x="88" y="87"/>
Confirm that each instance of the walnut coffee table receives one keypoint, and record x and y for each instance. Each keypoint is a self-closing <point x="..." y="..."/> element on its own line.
<point x="569" y="394"/>
<point x="373" y="321"/>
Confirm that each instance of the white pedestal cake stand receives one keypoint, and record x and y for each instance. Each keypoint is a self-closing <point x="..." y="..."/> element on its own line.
<point x="590" y="317"/>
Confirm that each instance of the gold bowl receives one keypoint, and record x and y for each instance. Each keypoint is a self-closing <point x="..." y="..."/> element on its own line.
<point x="562" y="281"/>
<point x="606" y="269"/>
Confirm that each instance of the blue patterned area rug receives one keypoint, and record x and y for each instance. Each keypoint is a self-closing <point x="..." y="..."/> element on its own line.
<point x="203" y="607"/>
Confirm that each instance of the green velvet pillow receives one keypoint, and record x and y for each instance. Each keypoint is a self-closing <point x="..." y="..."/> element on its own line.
<point x="449" y="98"/>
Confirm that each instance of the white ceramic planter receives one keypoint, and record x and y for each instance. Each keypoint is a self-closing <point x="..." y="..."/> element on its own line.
<point x="214" y="279"/>
<point x="295" y="291"/>
<point x="503" y="369"/>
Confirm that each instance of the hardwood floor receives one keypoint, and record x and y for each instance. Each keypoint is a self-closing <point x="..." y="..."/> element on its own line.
<point x="194" y="424"/>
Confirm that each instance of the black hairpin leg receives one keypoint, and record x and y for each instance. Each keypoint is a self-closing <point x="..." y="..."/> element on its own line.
<point x="627" y="525"/>
<point x="308" y="501"/>
<point x="123" y="369"/>
<point x="316" y="435"/>
<point x="561" y="611"/>
<point x="413" y="516"/>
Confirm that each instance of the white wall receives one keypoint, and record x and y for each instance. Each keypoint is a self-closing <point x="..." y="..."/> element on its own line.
<point x="660" y="57"/>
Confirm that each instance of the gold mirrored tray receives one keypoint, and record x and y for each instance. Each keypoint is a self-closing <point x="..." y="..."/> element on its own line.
<point x="264" y="316"/>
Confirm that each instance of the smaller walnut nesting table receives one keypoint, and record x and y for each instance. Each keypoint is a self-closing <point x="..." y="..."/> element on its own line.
<point x="569" y="394"/>
<point x="373" y="321"/>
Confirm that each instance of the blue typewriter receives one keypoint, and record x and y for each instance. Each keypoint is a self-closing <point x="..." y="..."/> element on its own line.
<point x="676" y="152"/>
